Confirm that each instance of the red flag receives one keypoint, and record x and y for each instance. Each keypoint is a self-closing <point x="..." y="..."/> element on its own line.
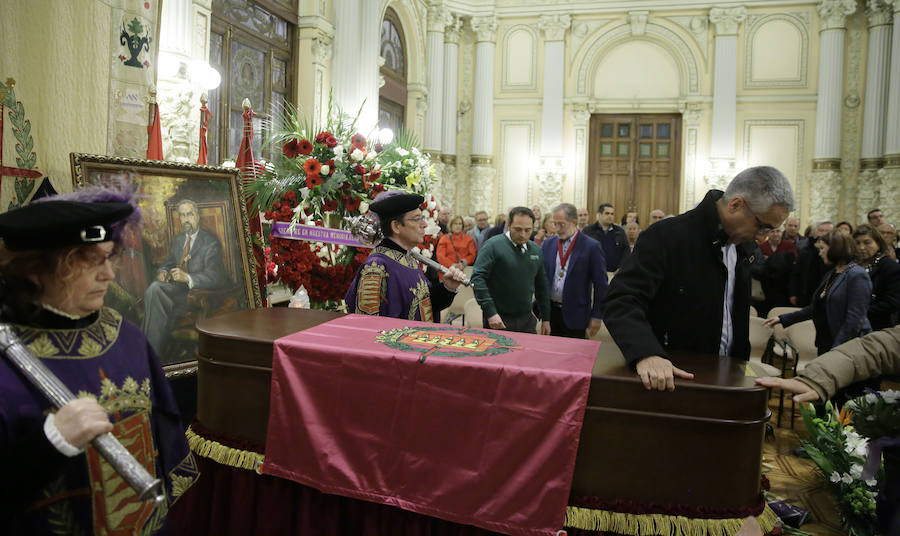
<point x="205" y="116"/>
<point x="154" y="141"/>
<point x="246" y="164"/>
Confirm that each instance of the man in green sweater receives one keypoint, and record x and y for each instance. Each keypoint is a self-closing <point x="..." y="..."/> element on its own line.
<point x="509" y="269"/>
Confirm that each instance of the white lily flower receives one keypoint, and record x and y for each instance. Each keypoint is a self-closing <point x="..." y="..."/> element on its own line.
<point x="846" y="479"/>
<point x="371" y="156"/>
<point x="871" y="398"/>
<point x="856" y="470"/>
<point x="835" y="477"/>
<point x="357" y="155"/>
<point x="338" y="150"/>
<point x="872" y="482"/>
<point x="890" y="396"/>
<point x="402" y="152"/>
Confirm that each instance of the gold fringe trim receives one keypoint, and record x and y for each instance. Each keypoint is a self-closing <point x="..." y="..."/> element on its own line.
<point x="242" y="459"/>
<point x="660" y="524"/>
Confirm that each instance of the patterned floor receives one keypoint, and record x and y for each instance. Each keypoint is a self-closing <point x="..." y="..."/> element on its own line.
<point x="796" y="480"/>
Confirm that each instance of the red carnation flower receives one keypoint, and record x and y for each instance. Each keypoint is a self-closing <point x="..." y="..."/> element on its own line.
<point x="329" y="205"/>
<point x="290" y="195"/>
<point x="313" y="180"/>
<point x="291" y="149"/>
<point x="352" y="203"/>
<point x="358" y="141"/>
<point x="305" y="147"/>
<point x="345" y="186"/>
<point x="359" y="169"/>
<point x="376" y="173"/>
<point x="312" y="166"/>
<point x="331" y="142"/>
<point x="322" y="136"/>
<point x="378" y="187"/>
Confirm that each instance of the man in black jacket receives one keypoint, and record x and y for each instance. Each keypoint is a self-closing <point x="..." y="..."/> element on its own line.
<point x="686" y="285"/>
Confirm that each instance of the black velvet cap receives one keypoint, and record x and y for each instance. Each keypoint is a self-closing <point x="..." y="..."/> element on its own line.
<point x="391" y="206"/>
<point x="56" y="224"/>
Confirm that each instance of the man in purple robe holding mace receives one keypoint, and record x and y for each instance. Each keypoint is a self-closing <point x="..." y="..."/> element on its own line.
<point x="391" y="282"/>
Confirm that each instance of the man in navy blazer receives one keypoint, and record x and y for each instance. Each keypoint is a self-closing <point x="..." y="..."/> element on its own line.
<point x="574" y="264"/>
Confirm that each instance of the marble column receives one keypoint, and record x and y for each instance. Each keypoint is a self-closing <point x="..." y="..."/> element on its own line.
<point x="879" y="14"/>
<point x="482" y="172"/>
<point x="354" y="67"/>
<point x="438" y="18"/>
<point x="449" y="109"/>
<point x="825" y="182"/>
<point x="724" y="120"/>
<point x="551" y="174"/>
<point x="890" y="174"/>
<point x="177" y="94"/>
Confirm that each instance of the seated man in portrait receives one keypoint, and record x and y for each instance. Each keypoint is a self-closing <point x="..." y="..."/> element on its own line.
<point x="195" y="262"/>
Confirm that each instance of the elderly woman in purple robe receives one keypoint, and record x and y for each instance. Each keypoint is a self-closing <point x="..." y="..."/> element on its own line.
<point x="57" y="262"/>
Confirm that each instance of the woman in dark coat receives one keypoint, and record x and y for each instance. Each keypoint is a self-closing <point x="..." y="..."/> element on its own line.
<point x="841" y="301"/>
<point x="873" y="254"/>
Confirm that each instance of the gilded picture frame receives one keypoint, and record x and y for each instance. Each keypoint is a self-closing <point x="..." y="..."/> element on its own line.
<point x="190" y="257"/>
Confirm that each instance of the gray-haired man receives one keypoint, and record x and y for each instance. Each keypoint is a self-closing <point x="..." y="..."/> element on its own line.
<point x="686" y="285"/>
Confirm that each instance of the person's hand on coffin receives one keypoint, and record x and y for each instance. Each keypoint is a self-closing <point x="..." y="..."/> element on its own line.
<point x="659" y="373"/>
<point x="805" y="393"/>
<point x="495" y="322"/>
<point x="545" y="327"/>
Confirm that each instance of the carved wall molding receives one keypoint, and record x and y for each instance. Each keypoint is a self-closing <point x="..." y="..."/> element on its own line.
<point x="856" y="40"/>
<point x="800" y="20"/>
<point x="799" y="126"/>
<point x="825" y="195"/>
<point x="890" y="193"/>
<point x="549" y="188"/>
<point x="508" y="64"/>
<point x="481" y="188"/>
<point x="176" y="102"/>
<point x="698" y="27"/>
<point x="672" y="42"/>
<point x="638" y="22"/>
<point x="868" y="192"/>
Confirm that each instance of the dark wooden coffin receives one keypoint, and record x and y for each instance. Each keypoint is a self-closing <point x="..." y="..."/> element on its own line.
<point x="700" y="445"/>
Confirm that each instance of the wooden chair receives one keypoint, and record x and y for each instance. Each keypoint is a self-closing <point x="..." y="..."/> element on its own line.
<point x="456" y="312"/>
<point x="800" y="340"/>
<point x="753" y="312"/>
<point x="760" y="337"/>
<point x="776" y="311"/>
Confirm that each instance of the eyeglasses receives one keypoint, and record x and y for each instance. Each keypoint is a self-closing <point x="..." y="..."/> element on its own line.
<point x="97" y="259"/>
<point x="414" y="219"/>
<point x="760" y="225"/>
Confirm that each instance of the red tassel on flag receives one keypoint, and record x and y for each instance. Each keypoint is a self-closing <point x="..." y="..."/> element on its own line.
<point x="205" y="116"/>
<point x="154" y="139"/>
<point x="247" y="165"/>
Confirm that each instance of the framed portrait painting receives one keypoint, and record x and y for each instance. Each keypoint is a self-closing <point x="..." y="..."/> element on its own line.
<point x="190" y="258"/>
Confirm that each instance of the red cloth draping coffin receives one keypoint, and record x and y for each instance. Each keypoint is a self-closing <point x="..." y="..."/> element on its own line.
<point x="489" y="440"/>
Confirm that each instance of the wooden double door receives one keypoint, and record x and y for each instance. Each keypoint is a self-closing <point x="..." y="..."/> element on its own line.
<point x="634" y="163"/>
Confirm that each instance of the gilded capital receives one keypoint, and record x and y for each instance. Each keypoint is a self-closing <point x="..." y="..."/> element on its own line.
<point x="727" y="19"/>
<point x="833" y="13"/>
<point x="554" y="26"/>
<point x="485" y="28"/>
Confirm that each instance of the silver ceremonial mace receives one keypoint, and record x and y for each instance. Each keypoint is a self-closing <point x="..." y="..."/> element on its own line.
<point x="59" y="395"/>
<point x="364" y="230"/>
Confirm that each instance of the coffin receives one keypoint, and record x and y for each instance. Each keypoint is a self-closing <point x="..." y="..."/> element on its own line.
<point x="700" y="445"/>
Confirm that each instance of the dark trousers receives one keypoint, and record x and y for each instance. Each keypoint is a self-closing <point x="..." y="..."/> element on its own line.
<point x="558" y="325"/>
<point x="526" y="323"/>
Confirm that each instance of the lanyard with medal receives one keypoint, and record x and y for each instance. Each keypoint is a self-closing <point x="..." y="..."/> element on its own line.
<point x="563" y="259"/>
